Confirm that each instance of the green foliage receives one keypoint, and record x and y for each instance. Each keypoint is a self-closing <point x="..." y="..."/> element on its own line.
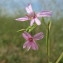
<point x="11" y="42"/>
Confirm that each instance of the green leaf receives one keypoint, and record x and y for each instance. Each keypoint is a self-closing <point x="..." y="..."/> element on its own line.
<point x="32" y="28"/>
<point x="21" y="30"/>
<point x="27" y="29"/>
<point x="60" y="57"/>
<point x="49" y="25"/>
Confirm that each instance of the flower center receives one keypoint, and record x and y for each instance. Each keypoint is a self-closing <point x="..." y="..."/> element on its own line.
<point x="31" y="15"/>
<point x="30" y="39"/>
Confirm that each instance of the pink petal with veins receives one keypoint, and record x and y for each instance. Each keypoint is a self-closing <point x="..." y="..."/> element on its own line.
<point x="37" y="21"/>
<point x="29" y="9"/>
<point x="34" y="46"/>
<point x="27" y="45"/>
<point x="26" y="35"/>
<point x="31" y="22"/>
<point x="22" y="19"/>
<point x="38" y="36"/>
<point x="44" y="14"/>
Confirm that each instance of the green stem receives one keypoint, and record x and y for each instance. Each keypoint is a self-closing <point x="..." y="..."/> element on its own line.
<point x="30" y="28"/>
<point x="48" y="42"/>
<point x="60" y="57"/>
<point x="47" y="39"/>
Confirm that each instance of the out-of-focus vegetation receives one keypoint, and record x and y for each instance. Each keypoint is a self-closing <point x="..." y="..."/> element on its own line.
<point x="11" y="42"/>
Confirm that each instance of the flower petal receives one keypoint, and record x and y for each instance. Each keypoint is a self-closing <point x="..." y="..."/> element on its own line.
<point x="27" y="45"/>
<point x="22" y="19"/>
<point x="37" y="21"/>
<point x="26" y="35"/>
<point x="44" y="14"/>
<point x="38" y="36"/>
<point x="29" y="9"/>
<point x="32" y="21"/>
<point x="34" y="46"/>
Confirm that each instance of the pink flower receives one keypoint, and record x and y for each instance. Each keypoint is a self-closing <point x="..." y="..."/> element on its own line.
<point x="30" y="41"/>
<point x="33" y="17"/>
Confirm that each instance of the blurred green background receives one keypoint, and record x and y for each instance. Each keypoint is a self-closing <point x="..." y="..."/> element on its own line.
<point x="11" y="41"/>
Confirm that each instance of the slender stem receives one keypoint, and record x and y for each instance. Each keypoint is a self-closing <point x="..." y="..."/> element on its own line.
<point x="48" y="26"/>
<point x="60" y="57"/>
<point x="48" y="42"/>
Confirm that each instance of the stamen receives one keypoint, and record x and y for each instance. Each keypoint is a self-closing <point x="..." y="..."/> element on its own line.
<point x="31" y="16"/>
<point x="30" y="39"/>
